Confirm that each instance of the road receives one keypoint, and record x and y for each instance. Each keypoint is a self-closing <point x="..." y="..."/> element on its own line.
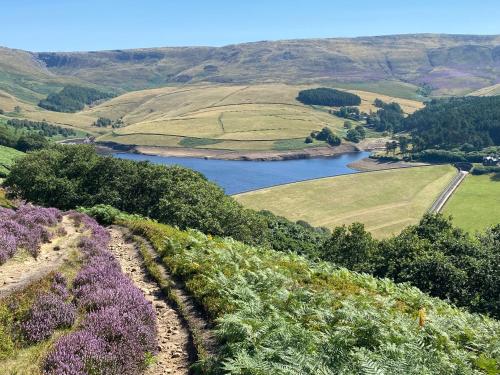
<point x="439" y="203"/>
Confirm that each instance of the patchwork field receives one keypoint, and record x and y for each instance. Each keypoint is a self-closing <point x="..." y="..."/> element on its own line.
<point x="257" y="117"/>
<point x="230" y="117"/>
<point x="475" y="204"/>
<point x="385" y="201"/>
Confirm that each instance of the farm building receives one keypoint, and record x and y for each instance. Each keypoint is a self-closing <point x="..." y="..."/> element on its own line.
<point x="490" y="160"/>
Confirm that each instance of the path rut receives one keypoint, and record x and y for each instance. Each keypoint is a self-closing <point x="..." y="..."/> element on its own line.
<point x="174" y="345"/>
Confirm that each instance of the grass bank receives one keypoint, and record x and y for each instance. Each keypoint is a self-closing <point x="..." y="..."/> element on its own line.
<point x="385" y="201"/>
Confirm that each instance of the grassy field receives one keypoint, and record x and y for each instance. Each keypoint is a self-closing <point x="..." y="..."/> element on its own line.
<point x="7" y="157"/>
<point x="232" y="117"/>
<point x="487" y="91"/>
<point x="237" y="117"/>
<point x="385" y="201"/>
<point x="476" y="203"/>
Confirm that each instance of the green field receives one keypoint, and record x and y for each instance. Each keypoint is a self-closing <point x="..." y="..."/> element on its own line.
<point x="236" y="117"/>
<point x="476" y="203"/>
<point x="7" y="157"/>
<point x="385" y="201"/>
<point x="256" y="117"/>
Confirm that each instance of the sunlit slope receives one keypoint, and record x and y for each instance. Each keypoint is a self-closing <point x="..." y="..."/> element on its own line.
<point x="83" y="120"/>
<point x="385" y="201"/>
<point x="487" y="91"/>
<point x="222" y="113"/>
<point x="23" y="75"/>
<point x="475" y="205"/>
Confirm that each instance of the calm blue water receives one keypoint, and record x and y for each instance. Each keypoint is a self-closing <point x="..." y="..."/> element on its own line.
<point x="240" y="176"/>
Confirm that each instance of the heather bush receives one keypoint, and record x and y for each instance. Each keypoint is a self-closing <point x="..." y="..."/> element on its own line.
<point x="78" y="353"/>
<point x="25" y="228"/>
<point x="118" y="329"/>
<point x="49" y="312"/>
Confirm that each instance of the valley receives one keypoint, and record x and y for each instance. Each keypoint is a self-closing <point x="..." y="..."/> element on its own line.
<point x="250" y="209"/>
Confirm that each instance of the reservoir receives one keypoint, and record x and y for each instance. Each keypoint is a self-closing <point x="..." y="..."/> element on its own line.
<point x="236" y="176"/>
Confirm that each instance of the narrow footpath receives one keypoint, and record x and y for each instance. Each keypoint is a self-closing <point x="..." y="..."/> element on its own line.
<point x="174" y="350"/>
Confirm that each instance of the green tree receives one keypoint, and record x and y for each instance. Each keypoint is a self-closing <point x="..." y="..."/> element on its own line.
<point x="404" y="142"/>
<point x="350" y="247"/>
<point x="391" y="146"/>
<point x="353" y="135"/>
<point x="31" y="142"/>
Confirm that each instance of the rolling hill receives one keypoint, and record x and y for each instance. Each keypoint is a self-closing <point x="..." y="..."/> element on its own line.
<point x="232" y="117"/>
<point x="451" y="64"/>
<point x="242" y="97"/>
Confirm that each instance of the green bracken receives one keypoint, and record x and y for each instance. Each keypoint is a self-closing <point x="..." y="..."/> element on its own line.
<point x="282" y="314"/>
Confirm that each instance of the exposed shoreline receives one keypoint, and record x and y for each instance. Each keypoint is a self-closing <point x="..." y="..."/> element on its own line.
<point x="368" y="165"/>
<point x="271" y="155"/>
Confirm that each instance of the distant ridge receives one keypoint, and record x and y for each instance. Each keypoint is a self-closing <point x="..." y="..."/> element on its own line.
<point x="450" y="64"/>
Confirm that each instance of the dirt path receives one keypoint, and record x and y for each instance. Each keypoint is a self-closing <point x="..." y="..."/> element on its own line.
<point x="23" y="269"/>
<point x="173" y="338"/>
<point x="197" y="320"/>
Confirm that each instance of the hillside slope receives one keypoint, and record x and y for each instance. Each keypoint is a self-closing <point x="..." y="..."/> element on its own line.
<point x="449" y="63"/>
<point x="230" y="117"/>
<point x="25" y="76"/>
<point x="278" y="313"/>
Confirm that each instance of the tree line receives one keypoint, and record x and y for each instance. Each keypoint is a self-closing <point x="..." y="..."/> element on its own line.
<point x="328" y="97"/>
<point x="41" y="127"/>
<point x="389" y="117"/>
<point x="433" y="255"/>
<point x="73" y="98"/>
<point x="465" y="123"/>
<point x="24" y="142"/>
<point x="69" y="176"/>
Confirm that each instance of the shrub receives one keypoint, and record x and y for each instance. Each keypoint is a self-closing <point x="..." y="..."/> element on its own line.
<point x="72" y="176"/>
<point x="482" y="169"/>
<point x="49" y="312"/>
<point x="278" y="313"/>
<point x="104" y="214"/>
<point x="25" y="228"/>
<point x="118" y="329"/>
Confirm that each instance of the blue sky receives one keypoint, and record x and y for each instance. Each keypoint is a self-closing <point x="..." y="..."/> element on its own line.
<point x="57" y="25"/>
